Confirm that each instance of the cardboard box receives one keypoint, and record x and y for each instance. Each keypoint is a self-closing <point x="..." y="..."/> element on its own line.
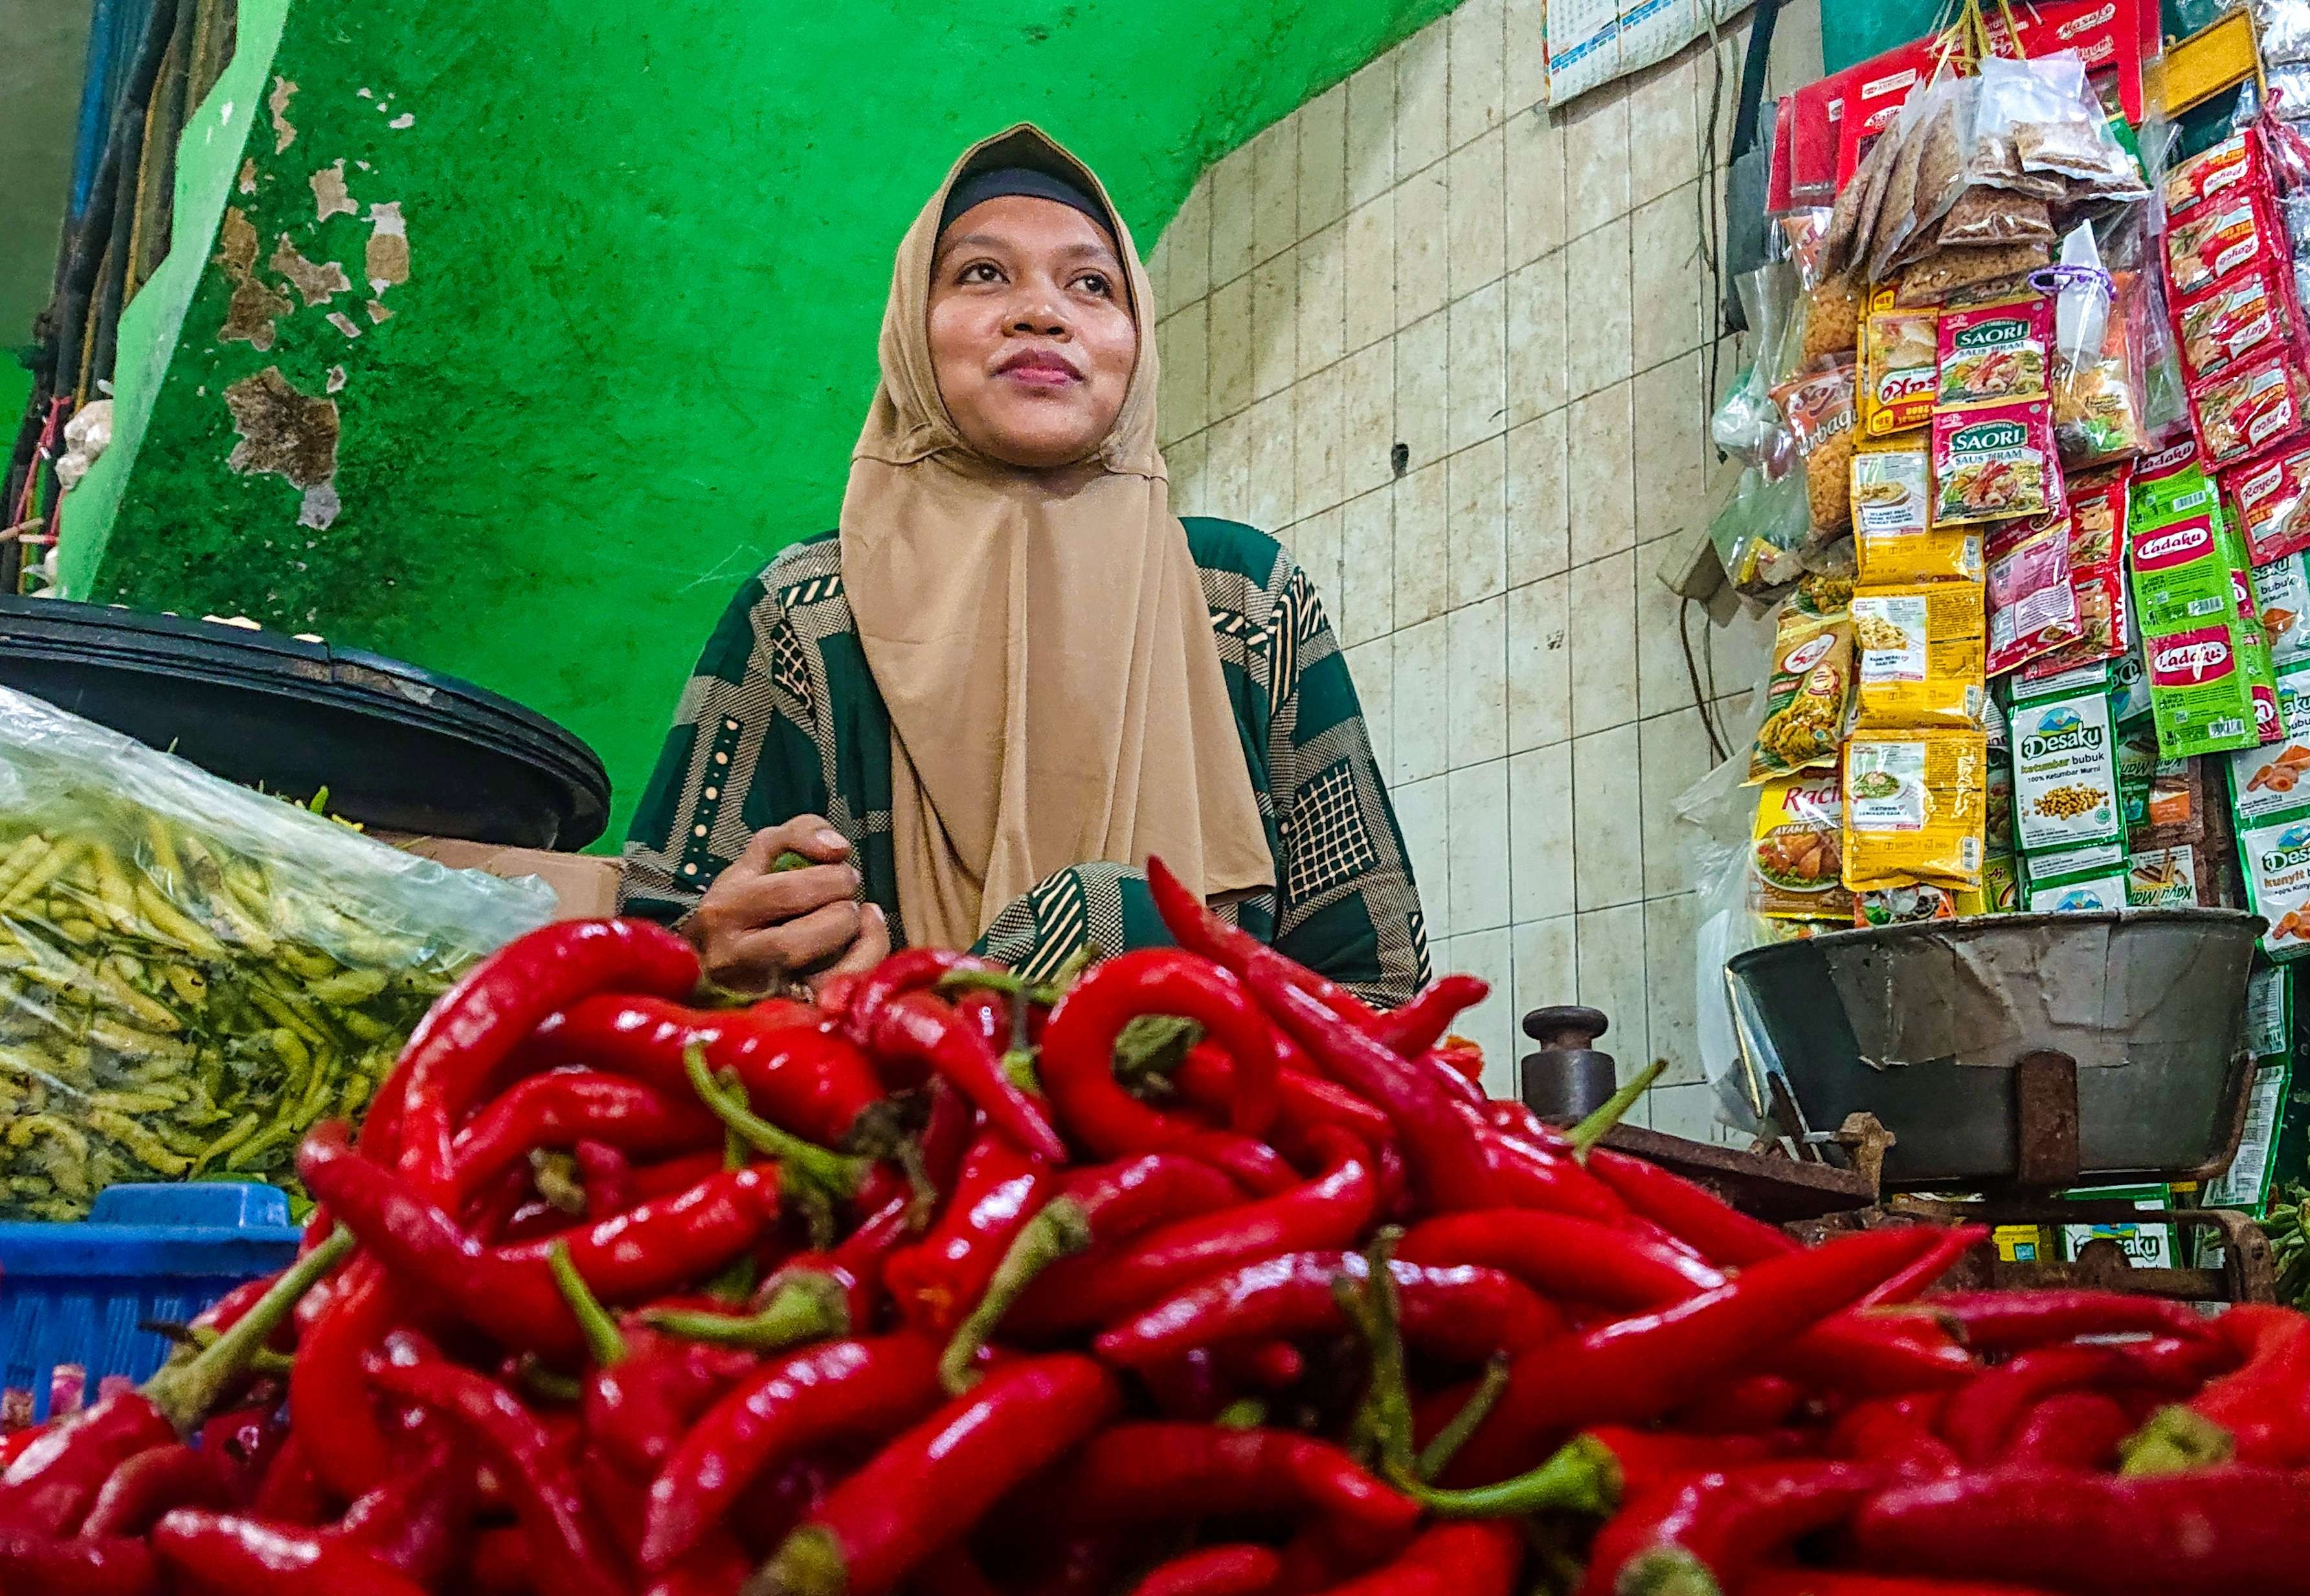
<point x="585" y="885"/>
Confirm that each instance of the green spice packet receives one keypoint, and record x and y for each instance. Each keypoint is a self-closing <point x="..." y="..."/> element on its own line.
<point x="2199" y="692"/>
<point x="2076" y="879"/>
<point x="2065" y="790"/>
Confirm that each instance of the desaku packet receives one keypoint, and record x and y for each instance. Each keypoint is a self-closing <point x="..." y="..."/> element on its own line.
<point x="2065" y="787"/>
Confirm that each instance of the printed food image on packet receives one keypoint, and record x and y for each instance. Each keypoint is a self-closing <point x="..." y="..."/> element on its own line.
<point x="2271" y="497"/>
<point x="1898" y="365"/>
<point x="2274" y="778"/>
<point x="1995" y="462"/>
<point x="2209" y="244"/>
<point x="1919" y="655"/>
<point x="1994" y="352"/>
<point x="2163" y="878"/>
<point x="2000" y="884"/>
<point x="2213" y="173"/>
<point x="1797" y="850"/>
<point x="1913" y="809"/>
<point x="2276" y="855"/>
<point x="2064" y="766"/>
<point x="2281" y="590"/>
<point x="2229" y="321"/>
<point x="1893" y="539"/>
<point x="2246" y="409"/>
<point x="1805" y="697"/>
<point x="2198" y="692"/>
<point x="2033" y="605"/>
<point x="2097" y="514"/>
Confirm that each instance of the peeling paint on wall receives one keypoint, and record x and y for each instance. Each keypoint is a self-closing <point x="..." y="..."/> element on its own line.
<point x="255" y="306"/>
<point x="376" y="312"/>
<point x="319" y="507"/>
<point x="386" y="261"/>
<point x="247" y="184"/>
<point x="283" y="135"/>
<point x="337" y="378"/>
<point x="318" y="282"/>
<point x="405" y="121"/>
<point x="330" y="197"/>
<point x="282" y="432"/>
<point x="345" y="323"/>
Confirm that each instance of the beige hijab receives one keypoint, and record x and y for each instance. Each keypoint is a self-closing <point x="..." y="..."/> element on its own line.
<point x="1040" y="637"/>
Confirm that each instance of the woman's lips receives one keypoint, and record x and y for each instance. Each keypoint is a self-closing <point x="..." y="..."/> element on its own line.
<point x="1038" y="368"/>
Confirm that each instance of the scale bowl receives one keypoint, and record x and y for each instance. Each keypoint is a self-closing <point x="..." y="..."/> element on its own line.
<point x="1923" y="1026"/>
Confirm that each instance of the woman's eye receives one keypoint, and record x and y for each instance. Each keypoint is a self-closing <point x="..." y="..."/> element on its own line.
<point x="979" y="271"/>
<point x="1095" y="283"/>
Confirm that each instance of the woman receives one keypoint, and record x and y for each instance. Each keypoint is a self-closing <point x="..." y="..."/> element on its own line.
<point x="1012" y="675"/>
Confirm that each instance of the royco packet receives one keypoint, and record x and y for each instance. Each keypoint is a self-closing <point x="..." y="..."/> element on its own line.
<point x="2245" y="408"/>
<point x="1796" y="851"/>
<point x="2033" y="605"/>
<point x="2082" y="879"/>
<point x="1897" y="366"/>
<point x="1805" y="696"/>
<point x="2199" y="694"/>
<point x="1913" y="809"/>
<point x="2271" y="497"/>
<point x="2241" y="316"/>
<point x="1919" y="655"/>
<point x="2207" y="244"/>
<point x="1989" y="354"/>
<point x="1894" y="540"/>
<point x="1996" y="462"/>
<point x="2098" y="543"/>
<point x="2212" y="172"/>
<point x="2065" y="792"/>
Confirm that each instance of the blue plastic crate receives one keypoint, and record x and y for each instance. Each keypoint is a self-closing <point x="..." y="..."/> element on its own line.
<point x="75" y="1293"/>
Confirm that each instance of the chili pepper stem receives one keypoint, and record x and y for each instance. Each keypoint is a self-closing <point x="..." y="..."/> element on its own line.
<point x="1593" y="1130"/>
<point x="1582" y="1476"/>
<point x="1437" y="1456"/>
<point x="184" y="1391"/>
<point x="1667" y="1571"/>
<point x="1061" y="1229"/>
<point x="809" y="1564"/>
<point x="829" y="1171"/>
<point x="2175" y="1440"/>
<point x="604" y="1342"/>
<point x="805" y="1307"/>
<point x="1244" y="1413"/>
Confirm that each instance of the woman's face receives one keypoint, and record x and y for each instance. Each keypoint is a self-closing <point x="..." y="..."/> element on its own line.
<point x="1031" y="330"/>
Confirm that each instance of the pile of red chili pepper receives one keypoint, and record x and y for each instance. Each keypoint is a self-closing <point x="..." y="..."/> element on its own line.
<point x="1190" y="1275"/>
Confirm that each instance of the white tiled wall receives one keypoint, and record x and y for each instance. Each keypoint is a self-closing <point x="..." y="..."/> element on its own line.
<point x="1424" y="255"/>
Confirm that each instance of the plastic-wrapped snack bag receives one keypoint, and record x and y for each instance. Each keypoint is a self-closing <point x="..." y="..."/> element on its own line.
<point x="192" y="973"/>
<point x="1805" y="696"/>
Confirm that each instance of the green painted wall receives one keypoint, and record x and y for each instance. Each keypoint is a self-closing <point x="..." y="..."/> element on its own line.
<point x="649" y="245"/>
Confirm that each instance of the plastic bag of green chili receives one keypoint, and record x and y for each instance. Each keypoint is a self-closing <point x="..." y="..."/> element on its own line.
<point x="192" y="973"/>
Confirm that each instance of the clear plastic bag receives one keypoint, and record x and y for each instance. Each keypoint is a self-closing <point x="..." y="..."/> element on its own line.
<point x="1761" y="531"/>
<point x="2282" y="31"/>
<point x="1747" y="425"/>
<point x="1928" y="173"/>
<point x="191" y="973"/>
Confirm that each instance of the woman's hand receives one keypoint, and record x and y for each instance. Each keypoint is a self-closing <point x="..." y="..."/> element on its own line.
<point x="757" y="927"/>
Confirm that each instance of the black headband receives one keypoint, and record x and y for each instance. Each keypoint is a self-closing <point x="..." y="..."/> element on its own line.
<point x="1002" y="181"/>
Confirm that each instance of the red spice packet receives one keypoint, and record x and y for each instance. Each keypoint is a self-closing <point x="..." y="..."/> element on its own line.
<point x="2098" y="503"/>
<point x="2209" y="244"/>
<point x="1995" y="462"/>
<point x="2241" y="315"/>
<point x="2221" y="169"/>
<point x="2271" y="497"/>
<point x="1994" y="353"/>
<point x="2245" y="409"/>
<point x="2033" y="606"/>
<point x="2101" y="625"/>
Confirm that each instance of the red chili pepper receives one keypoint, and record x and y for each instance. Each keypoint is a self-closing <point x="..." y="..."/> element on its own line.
<point x="1421" y="1023"/>
<point x="16" y="1440"/>
<point x="455" y="1051"/>
<point x="1201" y="932"/>
<point x="32" y="1564"/>
<point x="1563" y="1256"/>
<point x="1862" y="1355"/>
<point x="1481" y="1557"/>
<point x="50" y="1486"/>
<point x="2007" y="1321"/>
<point x="290" y="1493"/>
<point x="719" y="1567"/>
<point x="1132" y="1475"/>
<point x="533" y="1469"/>
<point x="920" y="1027"/>
<point x="2235" y="1529"/>
<point x="798" y="1071"/>
<point x="1439" y="1145"/>
<point x="838" y="1390"/>
<point x="501" y="1565"/>
<point x="2073" y="1429"/>
<point x="416" y="1522"/>
<point x="1725" y="1236"/>
<point x="1241" y="1569"/>
<point x="666" y="1177"/>
<point x="937" y="1480"/>
<point x="1921" y="1276"/>
<point x="1644" y="1459"/>
<point x="1331" y="1210"/>
<point x="1982" y="1416"/>
<point x="1078" y="1071"/>
<point x="1206" y="1079"/>
<point x="561" y="1108"/>
<point x="1652" y="1363"/>
<point x="509" y="1291"/>
<point x="156" y="1480"/>
<point x="226" y="1555"/>
<point x="1706" y="1532"/>
<point x="1524" y="1175"/>
<point x="2257" y="1413"/>
<point x="935" y="1282"/>
<point x="1743" y="1407"/>
<point x="1836" y="1581"/>
<point x="1899" y="1434"/>
<point x="1459" y="1312"/>
<point x="329" y="1393"/>
<point x="607" y="1175"/>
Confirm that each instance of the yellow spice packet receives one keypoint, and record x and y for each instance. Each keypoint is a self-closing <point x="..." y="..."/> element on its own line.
<point x="1919" y="655"/>
<point x="1796" y="849"/>
<point x="1914" y="807"/>
<point x="1893" y="538"/>
<point x="1805" y="696"/>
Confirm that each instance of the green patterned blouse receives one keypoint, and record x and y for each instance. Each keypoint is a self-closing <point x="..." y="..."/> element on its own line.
<point x="782" y="718"/>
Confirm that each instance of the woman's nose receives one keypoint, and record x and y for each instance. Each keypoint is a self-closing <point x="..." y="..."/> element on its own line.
<point x="1038" y="312"/>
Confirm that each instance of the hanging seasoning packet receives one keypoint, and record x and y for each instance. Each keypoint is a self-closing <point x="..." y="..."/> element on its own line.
<point x="2272" y="496"/>
<point x="2033" y="608"/>
<point x="1894" y="540"/>
<point x="1913" y="809"/>
<point x="1995" y="462"/>
<point x="1918" y="655"/>
<point x="1898" y="365"/>
<point x="2213" y="173"/>
<point x="2208" y="244"/>
<point x="2244" y="315"/>
<point x="1989" y="353"/>
<point x="1805" y="696"/>
<point x="2282" y="589"/>
<point x="1797" y="849"/>
<point x="2245" y="408"/>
